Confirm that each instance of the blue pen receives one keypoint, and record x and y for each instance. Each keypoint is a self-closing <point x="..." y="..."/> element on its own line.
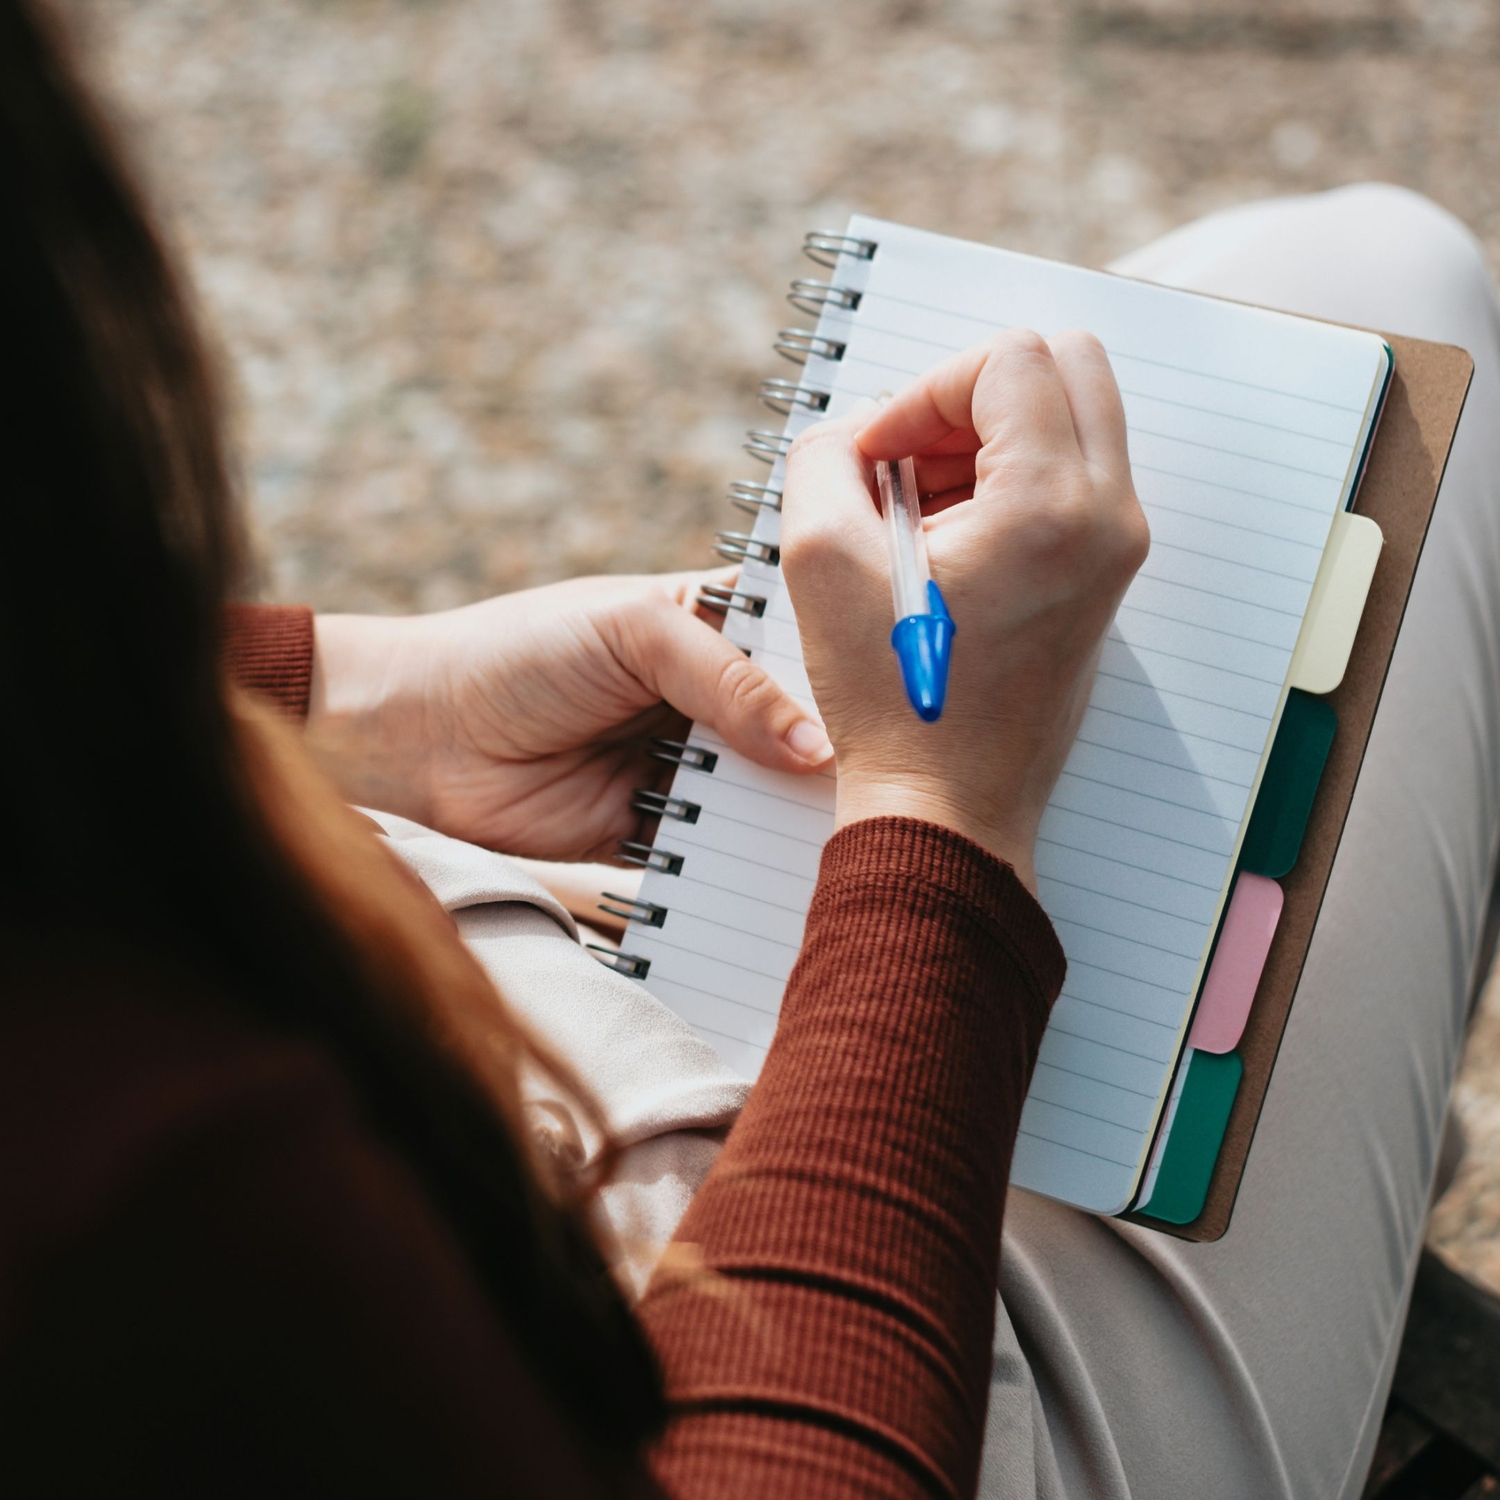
<point x="924" y="629"/>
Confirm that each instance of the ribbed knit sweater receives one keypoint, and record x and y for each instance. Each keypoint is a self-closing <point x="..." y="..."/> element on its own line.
<point x="823" y="1322"/>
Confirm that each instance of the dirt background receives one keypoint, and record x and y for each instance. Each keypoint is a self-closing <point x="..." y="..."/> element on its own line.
<point x="495" y="279"/>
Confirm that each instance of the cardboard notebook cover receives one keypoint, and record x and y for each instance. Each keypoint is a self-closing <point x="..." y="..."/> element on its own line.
<point x="1398" y="492"/>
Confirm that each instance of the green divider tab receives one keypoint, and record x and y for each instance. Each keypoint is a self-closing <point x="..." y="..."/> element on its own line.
<point x="1197" y="1132"/>
<point x="1279" y="818"/>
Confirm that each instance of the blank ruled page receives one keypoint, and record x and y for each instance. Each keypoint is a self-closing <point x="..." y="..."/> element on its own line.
<point x="1246" y="431"/>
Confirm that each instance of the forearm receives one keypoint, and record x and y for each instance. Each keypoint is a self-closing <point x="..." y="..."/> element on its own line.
<point x="373" y="710"/>
<point x="349" y="680"/>
<point x="824" y="1321"/>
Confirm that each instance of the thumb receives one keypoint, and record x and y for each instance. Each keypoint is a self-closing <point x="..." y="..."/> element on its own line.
<point x="685" y="661"/>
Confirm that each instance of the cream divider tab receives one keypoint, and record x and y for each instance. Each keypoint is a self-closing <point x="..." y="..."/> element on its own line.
<point x="1337" y="604"/>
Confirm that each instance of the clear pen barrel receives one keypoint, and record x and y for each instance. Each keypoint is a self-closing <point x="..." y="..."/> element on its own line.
<point x="903" y="529"/>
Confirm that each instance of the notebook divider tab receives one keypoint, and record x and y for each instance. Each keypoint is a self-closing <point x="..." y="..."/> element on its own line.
<point x="1182" y="1168"/>
<point x="1239" y="957"/>
<point x="1337" y="604"/>
<point x="1273" y="839"/>
<point x="1176" y="1184"/>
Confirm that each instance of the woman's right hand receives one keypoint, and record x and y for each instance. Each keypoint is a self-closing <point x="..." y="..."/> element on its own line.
<point x="1033" y="533"/>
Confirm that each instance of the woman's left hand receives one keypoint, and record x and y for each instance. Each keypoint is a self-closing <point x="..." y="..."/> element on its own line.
<point x="523" y="723"/>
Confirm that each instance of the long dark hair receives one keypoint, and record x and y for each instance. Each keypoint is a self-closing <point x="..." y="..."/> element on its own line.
<point x="120" y="547"/>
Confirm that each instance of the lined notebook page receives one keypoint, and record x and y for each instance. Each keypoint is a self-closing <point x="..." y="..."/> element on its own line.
<point x="1246" y="429"/>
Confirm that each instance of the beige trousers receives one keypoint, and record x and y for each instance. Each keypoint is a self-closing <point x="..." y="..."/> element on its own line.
<point x="1131" y="1364"/>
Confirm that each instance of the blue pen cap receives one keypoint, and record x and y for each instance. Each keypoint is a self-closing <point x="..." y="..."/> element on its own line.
<point x="922" y="644"/>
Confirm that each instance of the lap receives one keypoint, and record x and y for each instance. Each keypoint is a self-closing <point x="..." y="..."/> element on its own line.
<point x="1129" y="1363"/>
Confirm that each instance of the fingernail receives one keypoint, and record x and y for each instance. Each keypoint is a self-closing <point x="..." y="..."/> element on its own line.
<point x="862" y="410"/>
<point x="807" y="741"/>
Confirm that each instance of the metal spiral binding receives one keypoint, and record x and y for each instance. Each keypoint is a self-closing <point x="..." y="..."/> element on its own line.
<point x="661" y="860"/>
<point x="826" y="248"/>
<point x="783" y="395"/>
<point x="812" y="297"/>
<point x="629" y="964"/>
<point x="754" y="498"/>
<point x="716" y="596"/>
<point x="740" y="546"/>
<point x="647" y="913"/>
<point x="801" y="344"/>
<point x="767" y="446"/>
<point x="680" y="753"/>
<point x="660" y="805"/>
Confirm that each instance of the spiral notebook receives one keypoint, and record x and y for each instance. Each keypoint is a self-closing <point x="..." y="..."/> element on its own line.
<point x="1248" y="432"/>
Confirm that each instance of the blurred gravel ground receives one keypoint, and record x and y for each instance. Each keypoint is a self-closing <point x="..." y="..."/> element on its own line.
<point x="496" y="278"/>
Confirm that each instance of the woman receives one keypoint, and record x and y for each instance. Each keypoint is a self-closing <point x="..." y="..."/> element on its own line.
<point x="273" y="1221"/>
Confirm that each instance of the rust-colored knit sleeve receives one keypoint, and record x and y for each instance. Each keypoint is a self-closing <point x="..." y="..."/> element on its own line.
<point x="824" y="1321"/>
<point x="268" y="648"/>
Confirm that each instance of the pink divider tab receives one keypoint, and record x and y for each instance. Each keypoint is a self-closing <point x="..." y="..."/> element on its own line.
<point x="1249" y="926"/>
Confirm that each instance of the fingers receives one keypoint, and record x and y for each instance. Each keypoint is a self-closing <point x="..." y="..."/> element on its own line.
<point x="1005" y="392"/>
<point x="930" y="411"/>
<point x="1099" y="420"/>
<point x="946" y="471"/>
<point x="827" y="469"/>
<point x="827" y="481"/>
<point x="687" y="663"/>
<point x="935" y="505"/>
<point x="832" y="538"/>
<point x="1094" y="399"/>
<point x="964" y="441"/>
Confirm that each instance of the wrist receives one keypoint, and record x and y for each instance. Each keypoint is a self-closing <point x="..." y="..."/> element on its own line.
<point x="861" y="797"/>
<point x="364" y="711"/>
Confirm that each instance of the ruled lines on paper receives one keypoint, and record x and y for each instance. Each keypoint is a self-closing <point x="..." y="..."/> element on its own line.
<point x="736" y="912"/>
<point x="1244" y="432"/>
